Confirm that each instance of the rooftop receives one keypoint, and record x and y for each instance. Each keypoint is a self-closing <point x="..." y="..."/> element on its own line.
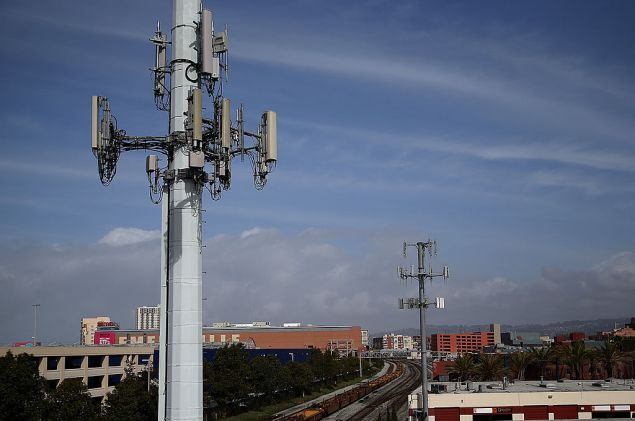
<point x="536" y="386"/>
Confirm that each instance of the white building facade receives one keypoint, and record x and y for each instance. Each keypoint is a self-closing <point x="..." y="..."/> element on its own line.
<point x="147" y="317"/>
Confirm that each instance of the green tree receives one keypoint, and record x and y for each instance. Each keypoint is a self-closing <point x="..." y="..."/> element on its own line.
<point x="489" y="367"/>
<point x="21" y="388"/>
<point x="610" y="355"/>
<point x="71" y="401"/>
<point x="265" y="376"/>
<point x="575" y="356"/>
<point x="131" y="400"/>
<point x="519" y="361"/>
<point x="463" y="367"/>
<point x="542" y="357"/>
<point x="300" y="377"/>
<point x="228" y="377"/>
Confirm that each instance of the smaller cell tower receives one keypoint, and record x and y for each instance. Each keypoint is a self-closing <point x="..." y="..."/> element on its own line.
<point x="422" y="303"/>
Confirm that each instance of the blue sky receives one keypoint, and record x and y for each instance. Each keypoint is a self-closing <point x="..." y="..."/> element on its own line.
<point x="503" y="130"/>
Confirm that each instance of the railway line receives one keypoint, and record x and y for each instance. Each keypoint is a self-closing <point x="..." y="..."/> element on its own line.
<point x="364" y="400"/>
<point x="392" y="395"/>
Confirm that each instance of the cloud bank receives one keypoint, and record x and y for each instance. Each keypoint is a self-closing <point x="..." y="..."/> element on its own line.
<point x="263" y="274"/>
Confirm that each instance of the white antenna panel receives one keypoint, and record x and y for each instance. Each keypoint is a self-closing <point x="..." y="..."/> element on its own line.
<point x="270" y="133"/>
<point x="197" y="115"/>
<point x="207" y="53"/>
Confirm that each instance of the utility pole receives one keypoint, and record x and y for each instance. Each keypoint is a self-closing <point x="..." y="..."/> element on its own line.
<point x="199" y="64"/>
<point x="35" y="306"/>
<point x="422" y="304"/>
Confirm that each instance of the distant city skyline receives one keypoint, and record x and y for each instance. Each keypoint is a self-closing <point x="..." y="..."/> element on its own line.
<point x="505" y="131"/>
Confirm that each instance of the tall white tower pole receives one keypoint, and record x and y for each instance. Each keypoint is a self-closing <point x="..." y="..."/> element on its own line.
<point x="191" y="143"/>
<point x="184" y="375"/>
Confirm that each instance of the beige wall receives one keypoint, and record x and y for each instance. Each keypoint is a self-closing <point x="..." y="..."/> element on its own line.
<point x="43" y="353"/>
<point x="89" y="327"/>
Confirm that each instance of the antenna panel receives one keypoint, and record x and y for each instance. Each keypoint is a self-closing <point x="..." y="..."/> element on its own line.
<point x="206" y="49"/>
<point x="159" y="65"/>
<point x="225" y="125"/>
<point x="401" y="303"/>
<point x="196" y="114"/>
<point x="270" y="133"/>
<point x="94" y="122"/>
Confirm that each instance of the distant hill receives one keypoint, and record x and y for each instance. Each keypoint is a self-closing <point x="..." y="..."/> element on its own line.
<point x="590" y="327"/>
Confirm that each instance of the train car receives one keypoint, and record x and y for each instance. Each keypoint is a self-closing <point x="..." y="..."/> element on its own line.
<point x="339" y="401"/>
<point x="312" y="414"/>
<point x="330" y="405"/>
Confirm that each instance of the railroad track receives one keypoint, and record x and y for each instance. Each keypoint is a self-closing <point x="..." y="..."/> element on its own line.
<point x="363" y="399"/>
<point x="394" y="394"/>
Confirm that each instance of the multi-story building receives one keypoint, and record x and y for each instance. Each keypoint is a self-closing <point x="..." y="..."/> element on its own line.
<point x="393" y="341"/>
<point x="147" y="317"/>
<point x="458" y="343"/>
<point x="378" y="343"/>
<point x="365" y="338"/>
<point x="496" y="328"/>
<point x="341" y="338"/>
<point x="101" y="368"/>
<point x="89" y="327"/>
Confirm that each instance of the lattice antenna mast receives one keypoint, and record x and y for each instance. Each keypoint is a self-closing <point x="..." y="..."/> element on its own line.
<point x="422" y="303"/>
<point x="198" y="151"/>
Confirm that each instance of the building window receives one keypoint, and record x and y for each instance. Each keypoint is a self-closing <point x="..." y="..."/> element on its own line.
<point x="73" y="362"/>
<point x="114" y="379"/>
<point x="95" y="361"/>
<point x="52" y="362"/>
<point x="115" y="360"/>
<point x="94" y="382"/>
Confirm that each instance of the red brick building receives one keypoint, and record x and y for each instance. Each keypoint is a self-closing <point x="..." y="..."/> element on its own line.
<point x="461" y="342"/>
<point x="344" y="339"/>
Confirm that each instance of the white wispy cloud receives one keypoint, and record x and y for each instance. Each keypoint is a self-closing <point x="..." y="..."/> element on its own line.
<point x="44" y="168"/>
<point x="125" y="236"/>
<point x="525" y="96"/>
<point x="491" y="148"/>
<point x="592" y="184"/>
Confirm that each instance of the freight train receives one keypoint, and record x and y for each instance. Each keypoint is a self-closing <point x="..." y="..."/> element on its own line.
<point x="328" y="406"/>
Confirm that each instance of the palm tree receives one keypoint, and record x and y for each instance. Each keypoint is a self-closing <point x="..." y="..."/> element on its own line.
<point x="463" y="366"/>
<point x="542" y="357"/>
<point x="490" y="367"/>
<point x="611" y="355"/>
<point x="575" y="356"/>
<point x="519" y="362"/>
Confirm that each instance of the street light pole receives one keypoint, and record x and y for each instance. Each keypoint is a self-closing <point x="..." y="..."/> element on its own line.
<point x="35" y="306"/>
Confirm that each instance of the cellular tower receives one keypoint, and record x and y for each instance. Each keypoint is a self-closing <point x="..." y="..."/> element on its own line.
<point x="199" y="150"/>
